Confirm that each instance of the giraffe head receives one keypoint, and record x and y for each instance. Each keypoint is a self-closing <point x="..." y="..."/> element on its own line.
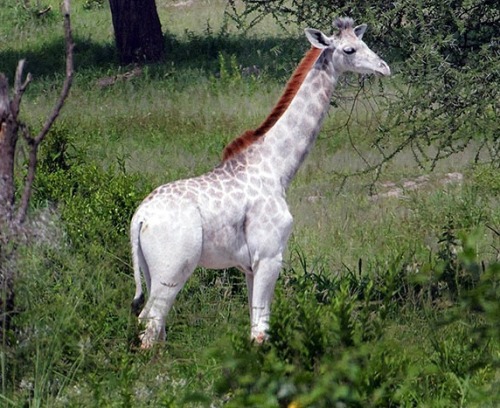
<point x="350" y="53"/>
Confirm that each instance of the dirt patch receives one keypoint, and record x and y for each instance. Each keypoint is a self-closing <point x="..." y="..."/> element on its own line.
<point x="391" y="189"/>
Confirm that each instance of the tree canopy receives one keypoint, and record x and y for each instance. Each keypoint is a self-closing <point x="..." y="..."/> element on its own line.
<point x="446" y="55"/>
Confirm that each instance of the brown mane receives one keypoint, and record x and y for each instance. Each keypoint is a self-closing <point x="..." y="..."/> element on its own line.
<point x="250" y="136"/>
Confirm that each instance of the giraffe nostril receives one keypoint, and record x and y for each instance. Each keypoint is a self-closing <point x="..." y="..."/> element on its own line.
<point x="384" y="68"/>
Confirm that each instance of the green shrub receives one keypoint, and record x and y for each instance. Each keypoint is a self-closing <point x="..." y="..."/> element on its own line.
<point x="335" y="342"/>
<point x="95" y="204"/>
<point x="486" y="179"/>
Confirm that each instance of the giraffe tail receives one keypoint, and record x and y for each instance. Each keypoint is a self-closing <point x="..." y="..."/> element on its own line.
<point x="139" y="263"/>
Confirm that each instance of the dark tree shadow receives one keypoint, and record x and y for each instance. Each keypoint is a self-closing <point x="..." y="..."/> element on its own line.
<point x="50" y="59"/>
<point x="191" y="51"/>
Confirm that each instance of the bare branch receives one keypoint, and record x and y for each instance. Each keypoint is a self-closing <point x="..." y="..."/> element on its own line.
<point x="19" y="88"/>
<point x="66" y="6"/>
<point x="68" y="80"/>
<point x="44" y="11"/>
<point x="35" y="142"/>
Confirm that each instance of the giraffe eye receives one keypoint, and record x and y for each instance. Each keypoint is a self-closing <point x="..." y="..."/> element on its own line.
<point x="349" y="50"/>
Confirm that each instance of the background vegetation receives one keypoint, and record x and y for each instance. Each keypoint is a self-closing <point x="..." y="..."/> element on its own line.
<point x="390" y="290"/>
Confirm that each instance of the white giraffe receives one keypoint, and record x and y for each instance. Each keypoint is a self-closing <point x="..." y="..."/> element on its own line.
<point x="236" y="215"/>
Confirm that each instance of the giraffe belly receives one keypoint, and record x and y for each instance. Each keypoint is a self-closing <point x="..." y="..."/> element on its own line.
<point x="225" y="248"/>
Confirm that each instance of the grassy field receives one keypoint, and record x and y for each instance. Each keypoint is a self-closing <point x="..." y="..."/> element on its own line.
<point x="389" y="294"/>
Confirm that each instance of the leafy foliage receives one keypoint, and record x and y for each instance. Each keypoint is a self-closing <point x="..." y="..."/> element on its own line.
<point x="332" y="343"/>
<point x="105" y="199"/>
<point x="446" y="56"/>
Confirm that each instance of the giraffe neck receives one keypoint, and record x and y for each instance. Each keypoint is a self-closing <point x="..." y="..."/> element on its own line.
<point x="287" y="143"/>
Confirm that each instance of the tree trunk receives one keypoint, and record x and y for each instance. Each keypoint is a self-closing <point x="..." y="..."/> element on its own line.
<point x="8" y="141"/>
<point x="138" y="33"/>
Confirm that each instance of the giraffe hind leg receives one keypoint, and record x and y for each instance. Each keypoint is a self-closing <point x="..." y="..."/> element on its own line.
<point x="165" y="285"/>
<point x="171" y="254"/>
<point x="153" y="315"/>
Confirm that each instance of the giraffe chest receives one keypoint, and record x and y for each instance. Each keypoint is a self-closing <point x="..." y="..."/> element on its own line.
<point x="234" y="232"/>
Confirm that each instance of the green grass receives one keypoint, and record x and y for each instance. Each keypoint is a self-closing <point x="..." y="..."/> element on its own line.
<point x="365" y="311"/>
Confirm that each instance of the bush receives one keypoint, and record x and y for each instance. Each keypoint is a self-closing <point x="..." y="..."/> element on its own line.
<point x="95" y="204"/>
<point x="71" y="310"/>
<point x="337" y="342"/>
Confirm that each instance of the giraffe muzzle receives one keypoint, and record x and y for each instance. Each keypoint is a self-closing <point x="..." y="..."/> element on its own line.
<point x="383" y="69"/>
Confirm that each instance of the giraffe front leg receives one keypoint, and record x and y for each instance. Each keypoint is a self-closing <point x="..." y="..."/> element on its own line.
<point x="249" y="279"/>
<point x="264" y="283"/>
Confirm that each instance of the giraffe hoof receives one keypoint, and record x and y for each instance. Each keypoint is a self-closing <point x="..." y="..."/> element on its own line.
<point x="147" y="342"/>
<point x="146" y="346"/>
<point x="260" y="338"/>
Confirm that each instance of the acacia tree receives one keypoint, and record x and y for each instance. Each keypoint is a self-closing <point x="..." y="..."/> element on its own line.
<point x="14" y="207"/>
<point x="138" y="35"/>
<point x="446" y="54"/>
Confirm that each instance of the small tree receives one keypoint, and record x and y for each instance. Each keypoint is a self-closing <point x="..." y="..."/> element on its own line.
<point x="14" y="207"/>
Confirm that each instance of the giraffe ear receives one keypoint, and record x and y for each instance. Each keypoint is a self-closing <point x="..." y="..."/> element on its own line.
<point x="317" y="38"/>
<point x="360" y="30"/>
